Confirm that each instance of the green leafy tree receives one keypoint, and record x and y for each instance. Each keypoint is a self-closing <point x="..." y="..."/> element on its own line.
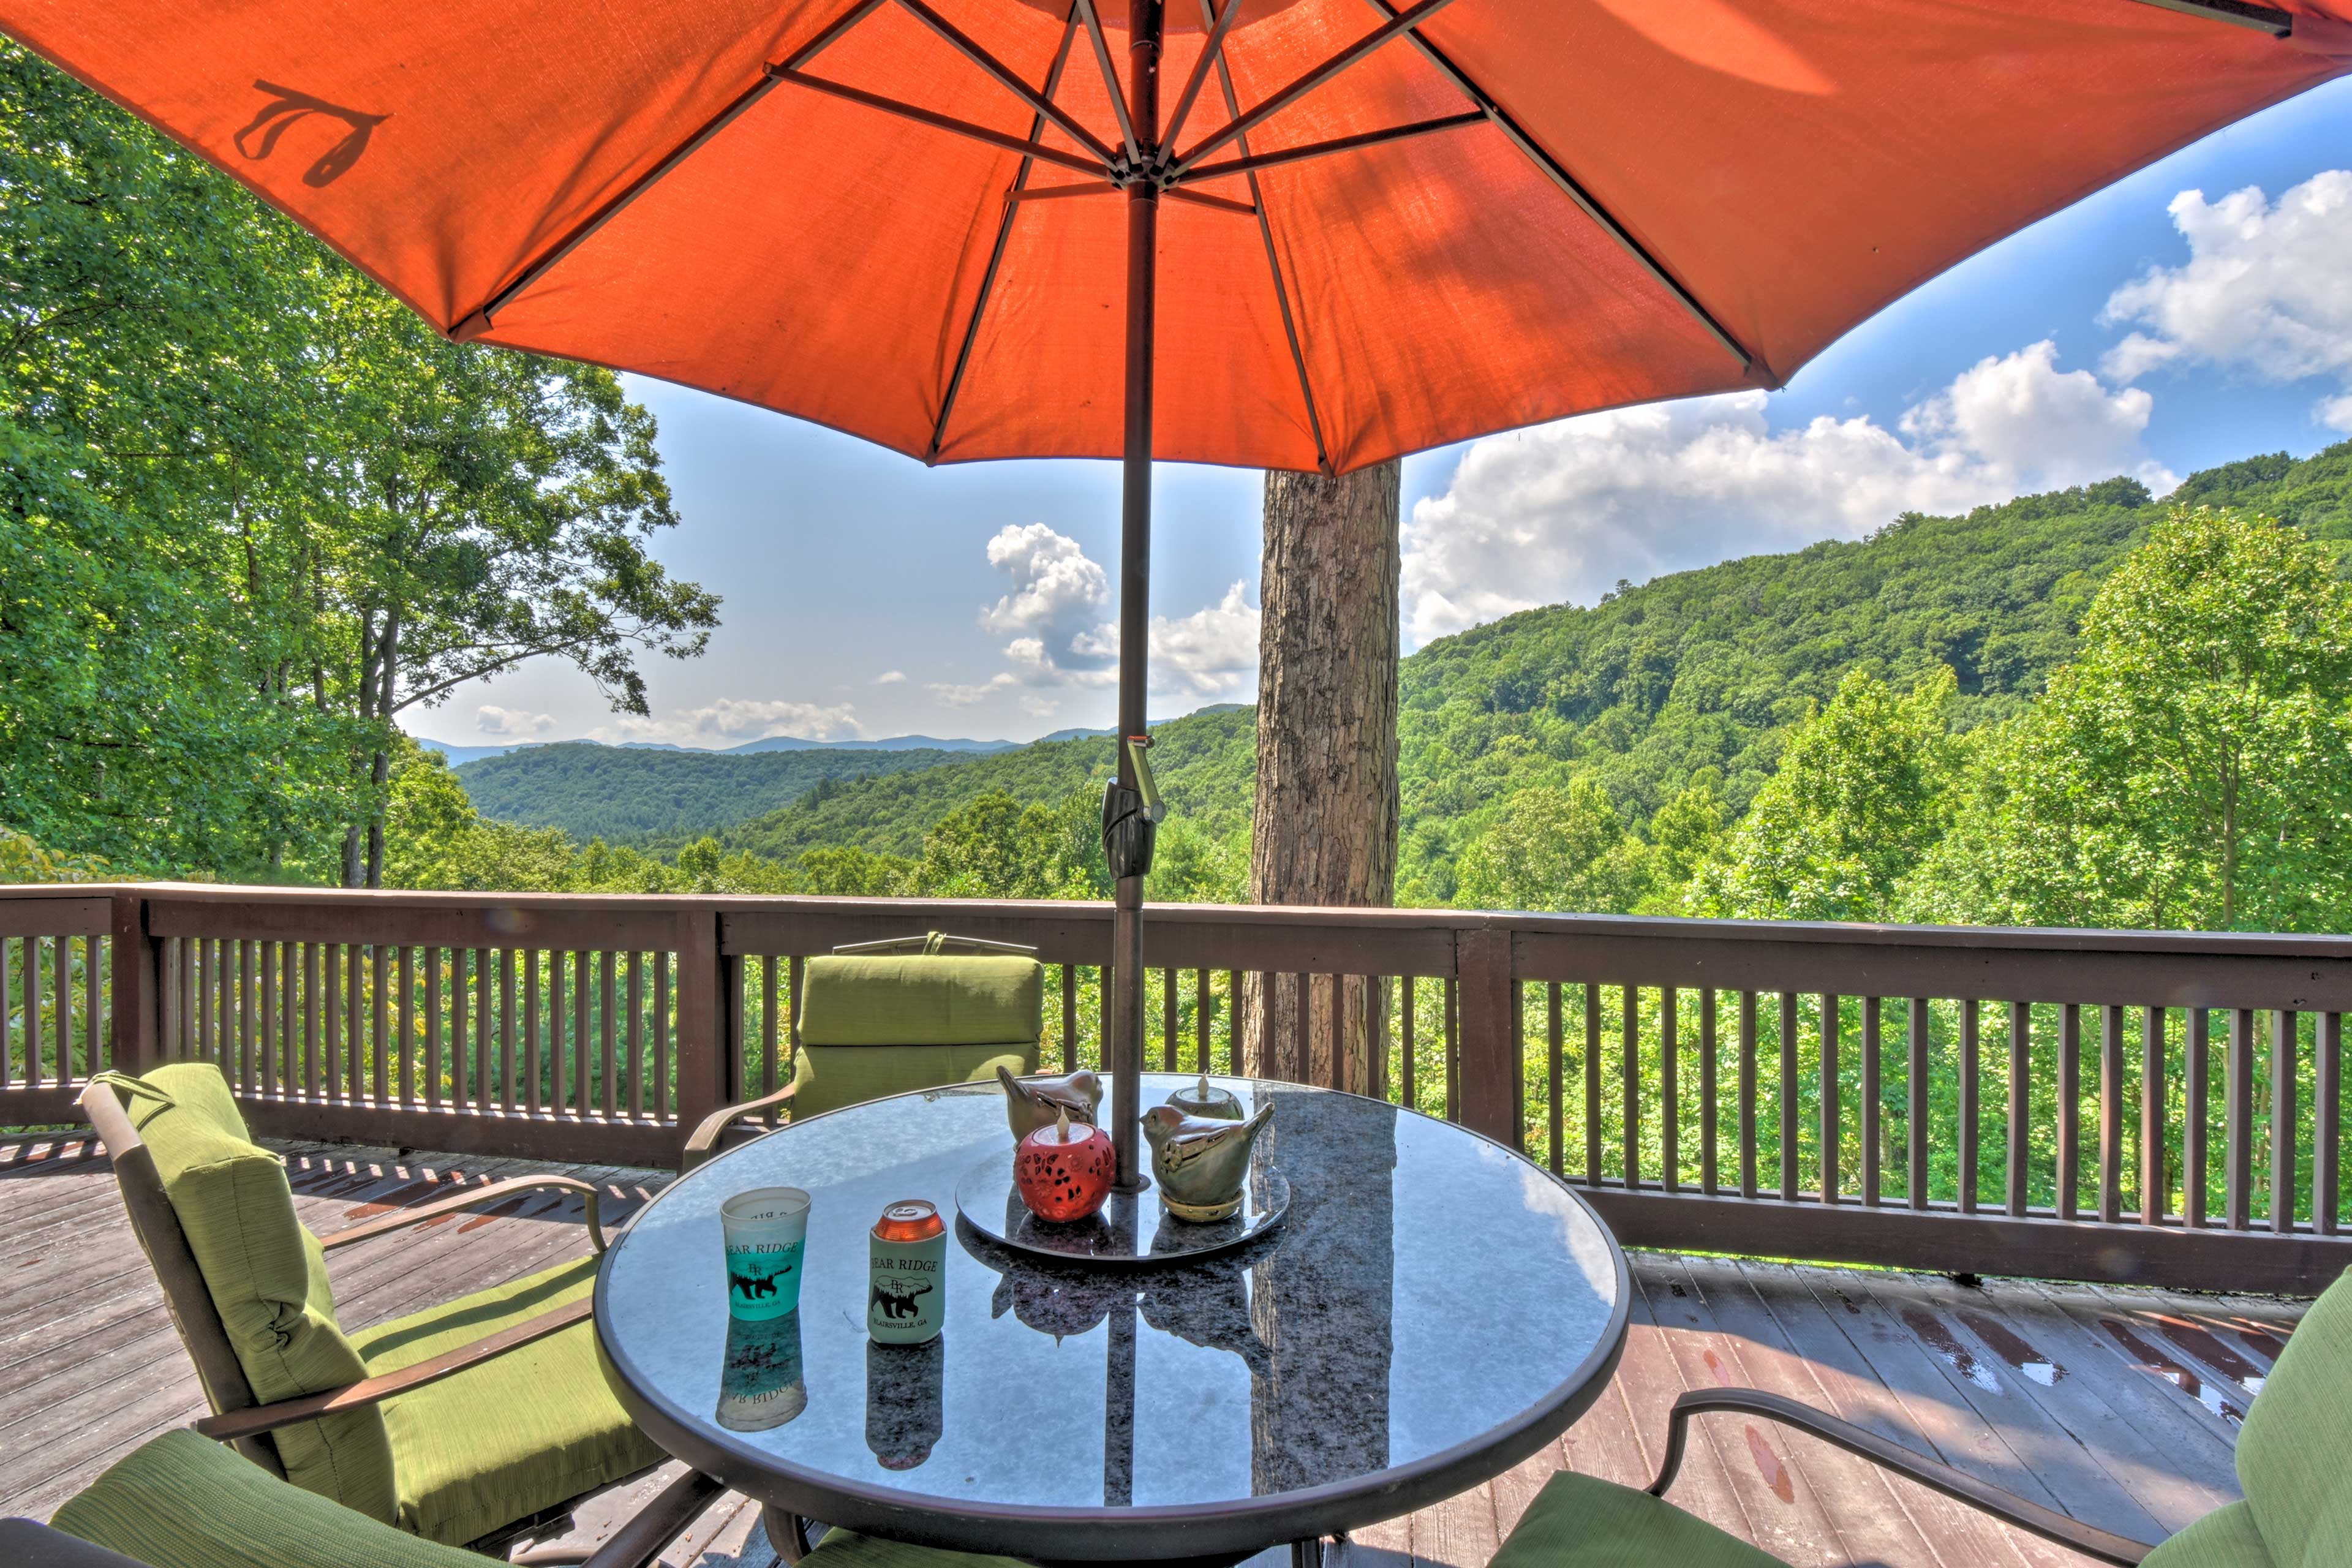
<point x="1858" y="800"/>
<point x="1554" y="846"/>
<point x="995" y="848"/>
<point x="2193" y="767"/>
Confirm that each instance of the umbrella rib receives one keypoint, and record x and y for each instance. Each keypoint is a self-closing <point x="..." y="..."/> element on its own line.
<point x="932" y="118"/>
<point x="1750" y="362"/>
<point x="1004" y="76"/>
<point x="1251" y="162"/>
<point x="1398" y="21"/>
<point x="477" y="320"/>
<point x="1211" y="53"/>
<point x="1003" y="237"/>
<point x="2268" y="19"/>
<point x="1273" y="263"/>
<point x="1110" y="81"/>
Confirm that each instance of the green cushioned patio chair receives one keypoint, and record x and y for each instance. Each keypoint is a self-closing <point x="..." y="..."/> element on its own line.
<point x="464" y="1422"/>
<point x="185" y="1502"/>
<point x="889" y="1017"/>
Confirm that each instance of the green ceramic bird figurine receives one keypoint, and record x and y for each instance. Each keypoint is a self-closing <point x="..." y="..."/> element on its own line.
<point x="1200" y="1164"/>
<point x="1033" y="1102"/>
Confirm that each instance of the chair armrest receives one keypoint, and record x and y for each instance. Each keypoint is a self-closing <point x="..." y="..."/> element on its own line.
<point x="31" y="1545"/>
<point x="2120" y="1550"/>
<point x="705" y="1140"/>
<point x="456" y="1203"/>
<point x="255" y="1419"/>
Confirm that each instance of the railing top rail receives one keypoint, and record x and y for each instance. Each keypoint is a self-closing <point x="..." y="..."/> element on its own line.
<point x="1395" y="922"/>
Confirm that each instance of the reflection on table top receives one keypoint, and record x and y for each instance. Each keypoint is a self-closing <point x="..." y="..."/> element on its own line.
<point x="1427" y="1289"/>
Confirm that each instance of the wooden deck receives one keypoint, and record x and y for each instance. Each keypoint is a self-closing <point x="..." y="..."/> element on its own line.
<point x="2119" y="1406"/>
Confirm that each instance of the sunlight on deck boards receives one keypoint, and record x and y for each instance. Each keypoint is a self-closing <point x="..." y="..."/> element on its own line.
<point x="2119" y="1406"/>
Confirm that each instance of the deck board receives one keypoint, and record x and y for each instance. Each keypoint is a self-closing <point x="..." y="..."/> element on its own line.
<point x="2119" y="1405"/>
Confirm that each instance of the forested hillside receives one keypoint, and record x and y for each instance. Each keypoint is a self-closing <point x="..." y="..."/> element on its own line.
<point x="619" y="793"/>
<point x="1649" y="690"/>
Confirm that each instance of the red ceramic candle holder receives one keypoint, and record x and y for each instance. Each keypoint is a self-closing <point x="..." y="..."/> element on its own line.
<point x="1065" y="1171"/>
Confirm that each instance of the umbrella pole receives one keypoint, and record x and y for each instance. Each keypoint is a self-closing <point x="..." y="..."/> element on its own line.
<point x="1125" y="1047"/>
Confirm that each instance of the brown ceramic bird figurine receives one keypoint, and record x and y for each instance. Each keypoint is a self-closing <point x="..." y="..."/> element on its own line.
<point x="1200" y="1164"/>
<point x="1033" y="1102"/>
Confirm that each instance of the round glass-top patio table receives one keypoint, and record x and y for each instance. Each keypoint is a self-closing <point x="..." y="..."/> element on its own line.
<point x="1433" y="1309"/>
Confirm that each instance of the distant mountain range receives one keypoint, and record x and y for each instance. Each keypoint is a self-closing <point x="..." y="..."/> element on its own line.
<point x="460" y="755"/>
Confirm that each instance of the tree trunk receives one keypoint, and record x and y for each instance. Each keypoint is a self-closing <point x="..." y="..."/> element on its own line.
<point x="1324" y="820"/>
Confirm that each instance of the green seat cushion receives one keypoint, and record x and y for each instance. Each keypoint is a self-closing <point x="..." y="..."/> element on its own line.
<point x="2226" y="1538"/>
<point x="847" y="1549"/>
<point x="1579" y="1521"/>
<point x="922" y="1000"/>
<point x="826" y="1077"/>
<point x="500" y="1441"/>
<point x="183" y="1501"/>
<point x="2292" y="1452"/>
<point x="267" y="1277"/>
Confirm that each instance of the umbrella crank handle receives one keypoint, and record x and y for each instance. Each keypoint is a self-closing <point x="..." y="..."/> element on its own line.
<point x="1131" y="816"/>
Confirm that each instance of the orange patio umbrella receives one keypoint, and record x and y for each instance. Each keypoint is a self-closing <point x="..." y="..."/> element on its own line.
<point x="1294" y="234"/>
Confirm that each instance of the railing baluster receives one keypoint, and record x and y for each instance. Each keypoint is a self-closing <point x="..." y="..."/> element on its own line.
<point x="734" y="986"/>
<point x="1972" y="1105"/>
<point x="607" y="1037"/>
<point x="246" y="966"/>
<point x="531" y="1047"/>
<point x="1556" y="1120"/>
<point x="1791" y="1099"/>
<point x="768" y="1025"/>
<point x="2197" y="1091"/>
<point x="94" y="1033"/>
<point x="8" y="1008"/>
<point x="2111" y="1112"/>
<point x="1204" y="1019"/>
<point x="2284" y="1049"/>
<point x="433" y="1002"/>
<point x="1591" y="1081"/>
<point x="335" y="1084"/>
<point x="2153" y="1189"/>
<point x="1302" y="1030"/>
<point x="268" y="977"/>
<point x="1872" y="1110"/>
<point x="1167" y="1021"/>
<point x="486" y="1044"/>
<point x="1748" y="1094"/>
<point x="666" y="1035"/>
<point x="1629" y="1084"/>
<point x="1236" y="1027"/>
<point x="799" y="977"/>
<point x="2070" y="1111"/>
<point x="1069" y="1018"/>
<point x="30" y="948"/>
<point x="313" y="973"/>
<point x="1670" y="1158"/>
<point x="406" y="1034"/>
<point x="636" y="1035"/>
<point x="1452" y="1049"/>
<point x="1409" y="1090"/>
<point x="2239" y="1095"/>
<point x="1832" y="1112"/>
<point x="2020" y="1103"/>
<point x="461" y="1047"/>
<point x="2327" y="1120"/>
<point x="1914" y="1161"/>
<point x="207" y="1006"/>
<point x="1708" y="1119"/>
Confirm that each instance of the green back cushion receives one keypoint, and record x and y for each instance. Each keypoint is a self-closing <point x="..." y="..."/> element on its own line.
<point x="183" y="1501"/>
<point x="871" y="1026"/>
<point x="2292" y="1453"/>
<point x="268" y="1278"/>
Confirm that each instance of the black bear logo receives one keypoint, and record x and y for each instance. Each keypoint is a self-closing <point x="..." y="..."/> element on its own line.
<point x="753" y="1284"/>
<point x="258" y="139"/>
<point x="896" y="1302"/>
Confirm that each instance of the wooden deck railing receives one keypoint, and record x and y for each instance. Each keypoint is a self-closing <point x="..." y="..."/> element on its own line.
<point x="2157" y="1107"/>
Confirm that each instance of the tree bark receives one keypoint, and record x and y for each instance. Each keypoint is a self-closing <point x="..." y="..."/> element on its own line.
<point x="1324" y="820"/>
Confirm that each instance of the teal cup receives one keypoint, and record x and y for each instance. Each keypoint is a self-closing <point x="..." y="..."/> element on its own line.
<point x="766" y="1230"/>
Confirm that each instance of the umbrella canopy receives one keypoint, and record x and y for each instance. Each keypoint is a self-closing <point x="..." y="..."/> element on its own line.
<point x="1605" y="202"/>
<point x="1389" y="224"/>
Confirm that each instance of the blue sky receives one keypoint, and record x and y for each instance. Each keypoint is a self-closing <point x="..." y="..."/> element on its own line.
<point x="2142" y="330"/>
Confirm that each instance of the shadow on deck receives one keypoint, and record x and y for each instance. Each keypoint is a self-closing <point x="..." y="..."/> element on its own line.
<point x="2118" y="1406"/>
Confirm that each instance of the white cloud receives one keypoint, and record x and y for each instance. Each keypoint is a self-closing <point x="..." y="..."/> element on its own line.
<point x="1564" y="511"/>
<point x="2266" y="291"/>
<point x="511" y="722"/>
<point x="730" y="720"/>
<point x="1059" y="599"/>
<point x="890" y="677"/>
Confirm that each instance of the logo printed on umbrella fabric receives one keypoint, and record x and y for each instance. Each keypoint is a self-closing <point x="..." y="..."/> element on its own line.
<point x="288" y="105"/>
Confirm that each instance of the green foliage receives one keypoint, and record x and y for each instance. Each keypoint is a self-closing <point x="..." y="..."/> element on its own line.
<point x="1856" y="803"/>
<point x="625" y="793"/>
<point x="2193" y="768"/>
<point x="23" y="860"/>
<point x="253" y="508"/>
<point x="1555" y="847"/>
